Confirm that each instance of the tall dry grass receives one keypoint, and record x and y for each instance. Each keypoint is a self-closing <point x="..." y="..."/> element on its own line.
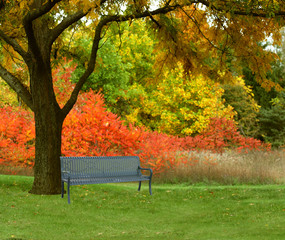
<point x="230" y="167"/>
<point x="15" y="170"/>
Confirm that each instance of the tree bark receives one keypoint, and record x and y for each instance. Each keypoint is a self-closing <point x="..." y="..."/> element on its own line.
<point x="48" y="150"/>
<point x="48" y="124"/>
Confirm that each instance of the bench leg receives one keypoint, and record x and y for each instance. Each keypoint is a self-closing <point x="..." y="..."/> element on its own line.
<point x="140" y="183"/>
<point x="68" y="190"/>
<point x="150" y="192"/>
<point x="62" y="189"/>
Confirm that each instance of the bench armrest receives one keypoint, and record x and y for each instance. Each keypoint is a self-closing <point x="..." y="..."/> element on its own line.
<point x="66" y="172"/>
<point x="147" y="169"/>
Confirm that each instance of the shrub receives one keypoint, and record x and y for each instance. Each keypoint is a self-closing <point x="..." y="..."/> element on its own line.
<point x="223" y="134"/>
<point x="17" y="136"/>
<point x="90" y="129"/>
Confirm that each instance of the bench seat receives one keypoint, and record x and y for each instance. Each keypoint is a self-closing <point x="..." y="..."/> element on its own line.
<point x="100" y="180"/>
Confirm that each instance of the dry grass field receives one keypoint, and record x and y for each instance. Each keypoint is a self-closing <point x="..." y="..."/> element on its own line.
<point x="230" y="167"/>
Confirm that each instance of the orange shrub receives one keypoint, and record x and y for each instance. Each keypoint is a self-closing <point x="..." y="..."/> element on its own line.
<point x="221" y="134"/>
<point x="17" y="135"/>
<point x="90" y="130"/>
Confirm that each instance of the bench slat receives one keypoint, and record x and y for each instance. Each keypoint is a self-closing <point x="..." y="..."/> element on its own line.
<point x="100" y="180"/>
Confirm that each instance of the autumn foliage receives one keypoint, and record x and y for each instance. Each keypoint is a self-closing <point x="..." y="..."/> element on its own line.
<point x="17" y="136"/>
<point x="223" y="134"/>
<point x="91" y="130"/>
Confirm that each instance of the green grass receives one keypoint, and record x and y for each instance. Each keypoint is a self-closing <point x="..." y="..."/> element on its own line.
<point x="118" y="211"/>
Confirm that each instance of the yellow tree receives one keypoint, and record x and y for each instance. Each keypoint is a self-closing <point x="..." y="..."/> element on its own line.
<point x="185" y="107"/>
<point x="32" y="33"/>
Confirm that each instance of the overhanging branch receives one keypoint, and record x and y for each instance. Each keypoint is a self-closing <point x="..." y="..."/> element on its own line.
<point x="137" y="15"/>
<point x="65" y="23"/>
<point x="17" y="86"/>
<point x="91" y="66"/>
<point x="255" y="12"/>
<point x="68" y="21"/>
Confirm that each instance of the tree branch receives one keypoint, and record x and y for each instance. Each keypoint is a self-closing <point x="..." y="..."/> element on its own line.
<point x="68" y="21"/>
<point x="91" y="66"/>
<point x="255" y="12"/>
<point x="198" y="27"/>
<point x="17" y="86"/>
<point x="28" y="24"/>
<point x="32" y="15"/>
<point x="65" y="23"/>
<point x="137" y="15"/>
<point x="14" y="45"/>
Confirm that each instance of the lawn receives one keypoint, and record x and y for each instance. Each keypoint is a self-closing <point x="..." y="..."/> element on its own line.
<point x="119" y="211"/>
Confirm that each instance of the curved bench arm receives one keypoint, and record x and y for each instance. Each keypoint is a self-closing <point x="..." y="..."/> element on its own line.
<point x="67" y="172"/>
<point x="147" y="169"/>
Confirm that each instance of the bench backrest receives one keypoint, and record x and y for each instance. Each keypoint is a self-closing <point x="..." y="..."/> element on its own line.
<point x="100" y="166"/>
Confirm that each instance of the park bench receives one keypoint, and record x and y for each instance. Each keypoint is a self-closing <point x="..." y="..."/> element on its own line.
<point x="96" y="170"/>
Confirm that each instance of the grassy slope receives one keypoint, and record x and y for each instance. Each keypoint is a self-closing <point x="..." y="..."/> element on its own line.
<point x="118" y="211"/>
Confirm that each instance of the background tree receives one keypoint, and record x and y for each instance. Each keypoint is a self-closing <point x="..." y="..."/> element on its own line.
<point x="111" y="76"/>
<point x="272" y="115"/>
<point x="272" y="121"/>
<point x="241" y="98"/>
<point x="269" y="119"/>
<point x="125" y="57"/>
<point x="178" y="105"/>
<point x="276" y="75"/>
<point x="31" y="34"/>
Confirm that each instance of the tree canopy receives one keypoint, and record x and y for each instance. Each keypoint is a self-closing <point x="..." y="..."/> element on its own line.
<point x="205" y="36"/>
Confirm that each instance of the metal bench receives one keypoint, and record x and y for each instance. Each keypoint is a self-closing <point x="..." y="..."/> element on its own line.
<point x="94" y="170"/>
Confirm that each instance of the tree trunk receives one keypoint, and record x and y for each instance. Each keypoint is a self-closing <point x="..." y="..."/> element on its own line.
<point x="48" y="124"/>
<point x="48" y="150"/>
